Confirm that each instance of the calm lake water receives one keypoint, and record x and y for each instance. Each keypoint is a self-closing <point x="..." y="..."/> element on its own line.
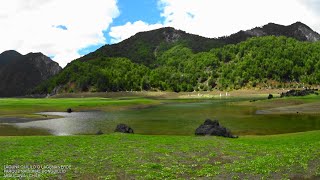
<point x="173" y="119"/>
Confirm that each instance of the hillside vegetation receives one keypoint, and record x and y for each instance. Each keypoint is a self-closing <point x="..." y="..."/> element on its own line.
<point x="145" y="47"/>
<point x="258" y="62"/>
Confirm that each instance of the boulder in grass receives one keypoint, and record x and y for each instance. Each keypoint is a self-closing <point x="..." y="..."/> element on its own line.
<point x="213" y="128"/>
<point x="69" y="110"/>
<point x="99" y="132"/>
<point x="123" y="128"/>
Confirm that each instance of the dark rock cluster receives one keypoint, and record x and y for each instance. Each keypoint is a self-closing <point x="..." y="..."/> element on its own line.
<point x="213" y="128"/>
<point x="303" y="92"/>
<point x="99" y="132"/>
<point x="123" y="128"/>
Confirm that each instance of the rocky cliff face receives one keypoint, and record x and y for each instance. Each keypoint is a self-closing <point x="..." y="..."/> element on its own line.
<point x="21" y="73"/>
<point x="307" y="33"/>
<point x="297" y="30"/>
<point x="44" y="64"/>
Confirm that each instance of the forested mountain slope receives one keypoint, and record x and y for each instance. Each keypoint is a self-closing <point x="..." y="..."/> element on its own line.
<point x="145" y="47"/>
<point x="257" y="62"/>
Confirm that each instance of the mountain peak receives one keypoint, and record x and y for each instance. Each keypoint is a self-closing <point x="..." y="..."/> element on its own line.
<point x="298" y="23"/>
<point x="272" y="24"/>
<point x="297" y="30"/>
<point x="168" y="34"/>
<point x="8" y="56"/>
<point x="21" y="73"/>
<point x="295" y="25"/>
<point x="35" y="54"/>
<point x="10" y="52"/>
<point x="163" y="29"/>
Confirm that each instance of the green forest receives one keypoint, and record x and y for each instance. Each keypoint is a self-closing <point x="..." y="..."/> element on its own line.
<point x="259" y="62"/>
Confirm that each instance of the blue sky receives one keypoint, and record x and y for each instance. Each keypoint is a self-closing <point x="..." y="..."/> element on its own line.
<point x="135" y="10"/>
<point x="131" y="11"/>
<point x="209" y="18"/>
<point x="49" y="27"/>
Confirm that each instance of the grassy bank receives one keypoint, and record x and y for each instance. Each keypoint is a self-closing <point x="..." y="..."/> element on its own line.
<point x="172" y="157"/>
<point x="25" y="107"/>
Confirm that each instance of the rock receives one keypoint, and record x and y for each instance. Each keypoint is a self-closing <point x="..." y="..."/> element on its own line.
<point x="270" y="96"/>
<point x="69" y="110"/>
<point x="123" y="128"/>
<point x="303" y="92"/>
<point x="55" y="90"/>
<point x="99" y="132"/>
<point x="210" y="122"/>
<point x="213" y="128"/>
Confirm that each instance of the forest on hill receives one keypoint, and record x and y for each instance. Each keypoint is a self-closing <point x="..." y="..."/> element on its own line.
<point x="258" y="62"/>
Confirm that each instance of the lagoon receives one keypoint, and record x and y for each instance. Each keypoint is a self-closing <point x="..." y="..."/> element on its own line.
<point x="176" y="117"/>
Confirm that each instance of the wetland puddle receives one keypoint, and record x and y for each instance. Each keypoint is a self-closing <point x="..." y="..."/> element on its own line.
<point x="68" y="124"/>
<point x="166" y="119"/>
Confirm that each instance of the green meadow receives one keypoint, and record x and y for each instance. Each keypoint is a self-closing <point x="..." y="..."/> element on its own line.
<point x="279" y="138"/>
<point x="24" y="106"/>
<point x="121" y="156"/>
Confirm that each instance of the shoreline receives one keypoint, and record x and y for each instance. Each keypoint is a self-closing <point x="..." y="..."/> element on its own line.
<point x="168" y="95"/>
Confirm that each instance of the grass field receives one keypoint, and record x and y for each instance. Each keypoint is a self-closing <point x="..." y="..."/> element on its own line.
<point x="27" y="106"/>
<point x="121" y="156"/>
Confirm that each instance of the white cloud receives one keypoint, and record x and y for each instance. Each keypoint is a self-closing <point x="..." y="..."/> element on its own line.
<point x="313" y="5"/>
<point x="31" y="26"/>
<point x="35" y="25"/>
<point x="120" y="33"/>
<point x="214" y="18"/>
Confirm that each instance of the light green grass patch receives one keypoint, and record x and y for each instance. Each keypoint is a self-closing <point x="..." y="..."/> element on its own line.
<point x="170" y="157"/>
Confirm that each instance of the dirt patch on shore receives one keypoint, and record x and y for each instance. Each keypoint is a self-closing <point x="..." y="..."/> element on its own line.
<point x="309" y="108"/>
<point x="171" y="95"/>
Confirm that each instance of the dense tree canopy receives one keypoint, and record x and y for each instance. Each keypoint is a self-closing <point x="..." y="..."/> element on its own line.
<point x="257" y="62"/>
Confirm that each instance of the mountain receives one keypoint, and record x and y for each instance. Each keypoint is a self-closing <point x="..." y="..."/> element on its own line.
<point x="259" y="62"/>
<point x="21" y="73"/>
<point x="8" y="56"/>
<point x="145" y="47"/>
<point x="172" y="60"/>
<point x="297" y="31"/>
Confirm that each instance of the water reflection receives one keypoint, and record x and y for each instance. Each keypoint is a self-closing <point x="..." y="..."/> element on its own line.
<point x="176" y="119"/>
<point x="69" y="124"/>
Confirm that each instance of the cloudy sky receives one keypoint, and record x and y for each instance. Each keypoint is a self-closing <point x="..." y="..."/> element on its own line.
<point x="68" y="29"/>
